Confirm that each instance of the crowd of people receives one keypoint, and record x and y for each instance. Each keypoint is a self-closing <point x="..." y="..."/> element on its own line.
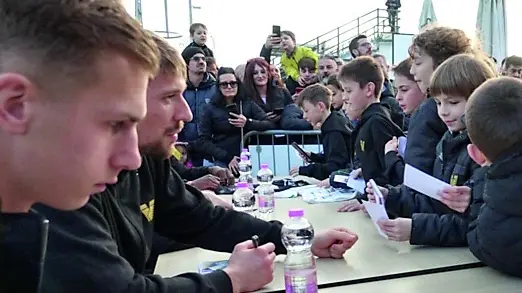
<point x="112" y="142"/>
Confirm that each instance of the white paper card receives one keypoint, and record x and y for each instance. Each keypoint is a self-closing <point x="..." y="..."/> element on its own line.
<point x="341" y="178"/>
<point x="377" y="212"/>
<point x="423" y="183"/>
<point x="357" y="184"/>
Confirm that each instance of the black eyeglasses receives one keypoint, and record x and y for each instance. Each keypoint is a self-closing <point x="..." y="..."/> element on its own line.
<point x="224" y="85"/>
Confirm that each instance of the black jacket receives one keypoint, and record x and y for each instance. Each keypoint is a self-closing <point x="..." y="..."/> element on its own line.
<point x="188" y="174"/>
<point x="388" y="99"/>
<point x="206" y="50"/>
<point x="394" y="168"/>
<point x="221" y="141"/>
<point x="335" y="136"/>
<point x="494" y="235"/>
<point x="103" y="247"/>
<point x="433" y="223"/>
<point x="277" y="98"/>
<point x="372" y="132"/>
<point x="424" y="132"/>
<point x="23" y="241"/>
<point x="292" y="119"/>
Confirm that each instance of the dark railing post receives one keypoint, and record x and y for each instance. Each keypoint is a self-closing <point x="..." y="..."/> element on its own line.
<point x="358" y="21"/>
<point x="318" y="46"/>
<point x="338" y="42"/>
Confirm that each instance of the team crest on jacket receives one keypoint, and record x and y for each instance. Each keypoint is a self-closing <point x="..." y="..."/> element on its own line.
<point x="147" y="209"/>
<point x="362" y="143"/>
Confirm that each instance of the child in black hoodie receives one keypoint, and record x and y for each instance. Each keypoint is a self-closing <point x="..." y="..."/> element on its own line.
<point x="335" y="134"/>
<point x="423" y="220"/>
<point x="198" y="34"/>
<point x="495" y="129"/>
<point x="362" y="81"/>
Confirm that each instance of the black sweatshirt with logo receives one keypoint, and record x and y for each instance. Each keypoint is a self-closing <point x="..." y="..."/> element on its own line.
<point x="104" y="246"/>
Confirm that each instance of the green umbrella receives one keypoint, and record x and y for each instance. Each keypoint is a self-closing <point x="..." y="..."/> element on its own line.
<point x="491" y="26"/>
<point x="427" y="15"/>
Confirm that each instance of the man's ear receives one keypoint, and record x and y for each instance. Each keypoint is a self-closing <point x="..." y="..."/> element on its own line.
<point x="14" y="106"/>
<point x="476" y="155"/>
<point x="370" y="89"/>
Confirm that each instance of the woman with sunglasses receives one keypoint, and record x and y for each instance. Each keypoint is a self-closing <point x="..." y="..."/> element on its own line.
<point x="226" y="118"/>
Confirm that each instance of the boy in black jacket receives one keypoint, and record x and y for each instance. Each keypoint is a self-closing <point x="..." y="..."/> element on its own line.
<point x="362" y="81"/>
<point x="495" y="129"/>
<point x="423" y="220"/>
<point x="335" y="134"/>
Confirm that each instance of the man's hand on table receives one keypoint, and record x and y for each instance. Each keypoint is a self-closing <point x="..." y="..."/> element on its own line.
<point x="224" y="174"/>
<point x="251" y="268"/>
<point x="333" y="243"/>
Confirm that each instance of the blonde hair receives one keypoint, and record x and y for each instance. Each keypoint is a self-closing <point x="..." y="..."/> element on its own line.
<point x="460" y="75"/>
<point x="62" y="39"/>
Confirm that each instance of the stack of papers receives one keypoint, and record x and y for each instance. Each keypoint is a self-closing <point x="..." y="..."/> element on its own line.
<point x="325" y="195"/>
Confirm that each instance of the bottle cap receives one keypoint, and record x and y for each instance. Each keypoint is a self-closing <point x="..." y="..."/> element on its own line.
<point x="244" y="150"/>
<point x="242" y="185"/>
<point x="295" y="213"/>
<point x="264" y="166"/>
<point x="244" y="158"/>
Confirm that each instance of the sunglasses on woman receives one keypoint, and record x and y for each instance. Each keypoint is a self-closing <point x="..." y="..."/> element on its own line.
<point x="231" y="84"/>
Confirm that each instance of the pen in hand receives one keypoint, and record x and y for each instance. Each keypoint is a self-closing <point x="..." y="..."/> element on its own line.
<point x="255" y="241"/>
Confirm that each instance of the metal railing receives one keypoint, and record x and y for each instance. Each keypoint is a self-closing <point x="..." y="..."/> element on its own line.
<point x="373" y="24"/>
<point x="277" y="144"/>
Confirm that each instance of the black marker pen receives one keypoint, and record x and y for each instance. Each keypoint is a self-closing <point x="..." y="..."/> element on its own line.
<point x="255" y="241"/>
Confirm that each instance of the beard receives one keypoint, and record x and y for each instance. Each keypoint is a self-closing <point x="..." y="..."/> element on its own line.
<point x="156" y="149"/>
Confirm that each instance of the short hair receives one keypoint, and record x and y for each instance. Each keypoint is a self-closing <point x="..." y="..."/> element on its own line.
<point x="440" y="43"/>
<point x="210" y="61"/>
<point x="329" y="57"/>
<point x="65" y="38"/>
<point x="332" y="80"/>
<point x="354" y="43"/>
<point x="514" y="60"/>
<point x="403" y="69"/>
<point x="171" y="61"/>
<point x="307" y="63"/>
<point x="493" y="117"/>
<point x="314" y="94"/>
<point x="195" y="26"/>
<point x="290" y="34"/>
<point x="459" y="76"/>
<point x="363" y="70"/>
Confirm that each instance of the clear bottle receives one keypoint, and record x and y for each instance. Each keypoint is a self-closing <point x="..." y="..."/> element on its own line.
<point x="297" y="235"/>
<point x="245" y="152"/>
<point x="243" y="198"/>
<point x="265" y="191"/>
<point x="245" y="172"/>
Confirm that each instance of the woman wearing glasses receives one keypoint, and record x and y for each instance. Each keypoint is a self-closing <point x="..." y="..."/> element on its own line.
<point x="229" y="115"/>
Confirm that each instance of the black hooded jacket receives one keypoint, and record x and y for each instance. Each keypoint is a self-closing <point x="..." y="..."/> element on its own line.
<point x="335" y="136"/>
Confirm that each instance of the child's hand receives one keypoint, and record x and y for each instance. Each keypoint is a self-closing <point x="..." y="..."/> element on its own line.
<point x="391" y="146"/>
<point x="397" y="230"/>
<point x="294" y="171"/>
<point x="356" y="173"/>
<point x="351" y="206"/>
<point x="371" y="196"/>
<point x="456" y="198"/>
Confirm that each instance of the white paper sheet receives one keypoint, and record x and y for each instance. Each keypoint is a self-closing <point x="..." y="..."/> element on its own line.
<point x="357" y="184"/>
<point x="423" y="183"/>
<point x="377" y="212"/>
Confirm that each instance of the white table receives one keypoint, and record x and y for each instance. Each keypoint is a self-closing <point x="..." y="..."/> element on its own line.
<point x="479" y="280"/>
<point x="373" y="256"/>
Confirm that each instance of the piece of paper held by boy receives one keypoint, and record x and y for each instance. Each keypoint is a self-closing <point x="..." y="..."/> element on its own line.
<point x="356" y="184"/>
<point x="377" y="212"/>
<point x="212" y="266"/>
<point x="423" y="183"/>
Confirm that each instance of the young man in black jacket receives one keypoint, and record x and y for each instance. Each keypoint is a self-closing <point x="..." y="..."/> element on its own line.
<point x="103" y="247"/>
<point x="68" y="104"/>
<point x="335" y="134"/>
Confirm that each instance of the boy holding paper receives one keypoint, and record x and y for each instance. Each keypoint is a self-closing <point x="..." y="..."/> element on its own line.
<point x="362" y="81"/>
<point x="495" y="129"/>
<point x="335" y="134"/>
<point x="424" y="220"/>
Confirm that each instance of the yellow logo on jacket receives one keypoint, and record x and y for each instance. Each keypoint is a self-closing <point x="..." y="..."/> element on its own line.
<point x="362" y="143"/>
<point x="454" y="179"/>
<point x="147" y="209"/>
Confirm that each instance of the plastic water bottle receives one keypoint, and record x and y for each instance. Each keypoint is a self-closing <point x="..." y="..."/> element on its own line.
<point x="243" y="198"/>
<point x="300" y="271"/>
<point x="245" y="172"/>
<point x="265" y="191"/>
<point x="246" y="153"/>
